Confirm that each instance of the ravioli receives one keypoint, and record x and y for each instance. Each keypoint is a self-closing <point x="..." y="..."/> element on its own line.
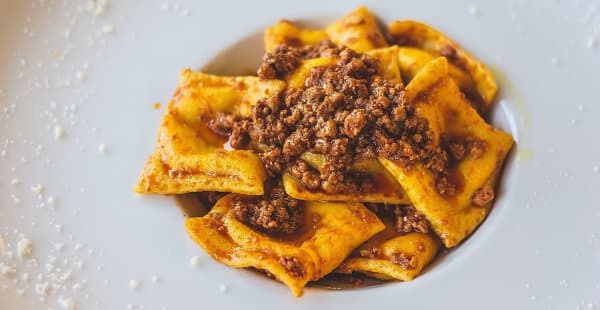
<point x="358" y="30"/>
<point x="330" y="232"/>
<point x="399" y="256"/>
<point x="386" y="190"/>
<point x="284" y="32"/>
<point x="452" y="218"/>
<point x="189" y="157"/>
<point x="415" y="34"/>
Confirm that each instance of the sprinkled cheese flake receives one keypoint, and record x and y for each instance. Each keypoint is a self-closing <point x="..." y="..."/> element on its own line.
<point x="591" y="42"/>
<point x="38" y="189"/>
<point x="102" y="148"/>
<point x="473" y="11"/>
<point x="134" y="284"/>
<point x="7" y="271"/>
<point x="59" y="132"/>
<point x="67" y="303"/>
<point x="15" y="181"/>
<point x="24" y="248"/>
<point x="80" y="76"/>
<point x="59" y="246"/>
<point x="223" y="288"/>
<point x="42" y="289"/>
<point x="108" y="29"/>
<point x="97" y="7"/>
<point x="194" y="261"/>
<point x="155" y="279"/>
<point x="15" y="199"/>
<point x="51" y="202"/>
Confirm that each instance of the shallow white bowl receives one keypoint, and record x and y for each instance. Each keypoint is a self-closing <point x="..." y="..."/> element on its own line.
<point x="539" y="248"/>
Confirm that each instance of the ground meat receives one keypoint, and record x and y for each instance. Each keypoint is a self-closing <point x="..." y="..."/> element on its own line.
<point x="445" y="187"/>
<point x="483" y="196"/>
<point x="404" y="261"/>
<point x="410" y="220"/>
<point x="406" y="218"/>
<point x="457" y="150"/>
<point x="355" y="122"/>
<point x="476" y="148"/>
<point x="285" y="58"/>
<point x="370" y="253"/>
<point x="277" y="64"/>
<point x="222" y="124"/>
<point x="292" y="265"/>
<point x="344" y="111"/>
<point x="275" y="212"/>
<point x="305" y="173"/>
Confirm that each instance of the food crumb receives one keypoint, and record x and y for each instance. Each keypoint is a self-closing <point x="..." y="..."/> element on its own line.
<point x="134" y="284"/>
<point x="67" y="303"/>
<point x="80" y="76"/>
<point x="156" y="105"/>
<point x="108" y="29"/>
<point x="194" y="261"/>
<point x="24" y="247"/>
<point x="155" y="279"/>
<point x="7" y="271"/>
<point x="38" y="189"/>
<point x="102" y="148"/>
<point x="59" y="132"/>
<point x="223" y="288"/>
<point x="591" y="42"/>
<point x="473" y="11"/>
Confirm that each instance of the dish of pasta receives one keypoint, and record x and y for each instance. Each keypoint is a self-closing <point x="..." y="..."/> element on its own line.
<point x="355" y="149"/>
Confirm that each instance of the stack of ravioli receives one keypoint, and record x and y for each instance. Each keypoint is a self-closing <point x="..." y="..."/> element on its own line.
<point x="190" y="158"/>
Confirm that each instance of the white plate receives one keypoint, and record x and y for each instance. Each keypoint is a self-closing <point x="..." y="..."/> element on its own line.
<point x="539" y="248"/>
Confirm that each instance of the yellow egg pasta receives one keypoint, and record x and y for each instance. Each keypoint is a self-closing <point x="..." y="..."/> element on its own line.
<point x="330" y="232"/>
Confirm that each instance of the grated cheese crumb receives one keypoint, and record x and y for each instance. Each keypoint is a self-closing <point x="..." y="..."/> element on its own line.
<point x="155" y="279"/>
<point x="6" y="270"/>
<point x="59" y="132"/>
<point x="38" y="189"/>
<point x="42" y="289"/>
<point x="102" y="148"/>
<point x="473" y="11"/>
<point x="223" y="288"/>
<point x="24" y="247"/>
<point x="591" y="42"/>
<point x="134" y="284"/>
<point x="15" y="181"/>
<point x="108" y="29"/>
<point x="80" y="76"/>
<point x="67" y="303"/>
<point x="195" y="261"/>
